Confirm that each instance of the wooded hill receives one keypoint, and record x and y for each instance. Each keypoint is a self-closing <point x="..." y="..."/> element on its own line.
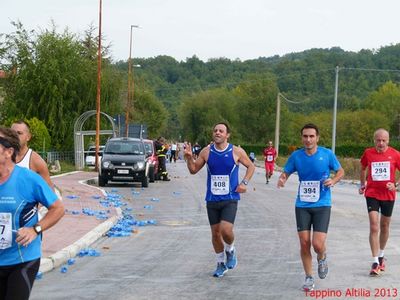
<point x="51" y="79"/>
<point x="307" y="78"/>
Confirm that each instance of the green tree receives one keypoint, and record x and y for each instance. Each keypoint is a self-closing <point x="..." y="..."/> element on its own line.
<point x="41" y="140"/>
<point x="386" y="101"/>
<point x="199" y="112"/>
<point x="150" y="111"/>
<point x="53" y="77"/>
<point x="256" y="109"/>
<point x="358" y="127"/>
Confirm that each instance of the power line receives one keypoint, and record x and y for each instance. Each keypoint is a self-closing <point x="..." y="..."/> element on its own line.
<point x="291" y="101"/>
<point x="232" y="83"/>
<point x="371" y="70"/>
<point x="294" y="74"/>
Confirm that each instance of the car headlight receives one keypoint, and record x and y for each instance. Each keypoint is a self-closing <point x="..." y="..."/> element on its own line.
<point x="139" y="165"/>
<point x="107" y="164"/>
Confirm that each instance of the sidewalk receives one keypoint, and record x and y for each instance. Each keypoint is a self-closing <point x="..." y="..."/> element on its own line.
<point x="76" y="230"/>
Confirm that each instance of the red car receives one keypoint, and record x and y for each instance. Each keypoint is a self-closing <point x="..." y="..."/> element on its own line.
<point x="152" y="159"/>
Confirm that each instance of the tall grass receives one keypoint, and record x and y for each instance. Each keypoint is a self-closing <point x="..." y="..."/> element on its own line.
<point x="351" y="166"/>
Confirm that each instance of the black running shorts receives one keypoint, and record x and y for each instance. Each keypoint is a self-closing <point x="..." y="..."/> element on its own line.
<point x="385" y="206"/>
<point x="221" y="211"/>
<point x="318" y="217"/>
<point x="16" y="281"/>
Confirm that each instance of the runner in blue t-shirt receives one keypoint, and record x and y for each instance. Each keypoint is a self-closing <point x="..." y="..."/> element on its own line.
<point x="223" y="191"/>
<point x="313" y="203"/>
<point x="21" y="190"/>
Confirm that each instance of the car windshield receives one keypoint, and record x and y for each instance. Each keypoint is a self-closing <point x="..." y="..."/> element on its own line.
<point x="92" y="151"/>
<point x="125" y="147"/>
<point x="148" y="147"/>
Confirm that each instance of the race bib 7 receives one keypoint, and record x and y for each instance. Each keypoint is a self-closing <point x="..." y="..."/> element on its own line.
<point x="5" y="230"/>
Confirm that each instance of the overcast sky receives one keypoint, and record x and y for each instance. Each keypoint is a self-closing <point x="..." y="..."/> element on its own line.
<point x="244" y="29"/>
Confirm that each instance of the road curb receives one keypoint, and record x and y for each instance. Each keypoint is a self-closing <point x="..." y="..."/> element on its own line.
<point x="61" y="257"/>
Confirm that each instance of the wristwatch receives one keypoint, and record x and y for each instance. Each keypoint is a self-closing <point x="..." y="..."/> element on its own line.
<point x="37" y="228"/>
<point x="245" y="182"/>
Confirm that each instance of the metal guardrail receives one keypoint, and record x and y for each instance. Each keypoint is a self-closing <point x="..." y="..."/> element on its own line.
<point x="51" y="157"/>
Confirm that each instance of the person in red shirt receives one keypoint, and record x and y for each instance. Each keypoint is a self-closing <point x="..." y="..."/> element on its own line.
<point x="270" y="156"/>
<point x="378" y="168"/>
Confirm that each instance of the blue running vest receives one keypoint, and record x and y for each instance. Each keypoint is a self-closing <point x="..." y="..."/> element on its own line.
<point x="223" y="175"/>
<point x="19" y="197"/>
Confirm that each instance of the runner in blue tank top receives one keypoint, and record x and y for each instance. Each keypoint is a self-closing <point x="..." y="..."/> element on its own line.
<point x="223" y="191"/>
<point x="21" y="190"/>
<point x="313" y="203"/>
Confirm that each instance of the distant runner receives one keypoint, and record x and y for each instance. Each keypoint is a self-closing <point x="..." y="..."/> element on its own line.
<point x="270" y="156"/>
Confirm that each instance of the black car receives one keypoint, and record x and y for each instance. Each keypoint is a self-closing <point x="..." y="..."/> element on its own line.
<point x="124" y="159"/>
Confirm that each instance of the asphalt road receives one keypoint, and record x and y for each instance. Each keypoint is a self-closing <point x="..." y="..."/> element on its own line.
<point x="174" y="259"/>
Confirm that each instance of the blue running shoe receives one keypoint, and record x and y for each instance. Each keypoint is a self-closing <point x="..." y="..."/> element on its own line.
<point x="322" y="268"/>
<point x="231" y="259"/>
<point x="308" y="284"/>
<point x="221" y="270"/>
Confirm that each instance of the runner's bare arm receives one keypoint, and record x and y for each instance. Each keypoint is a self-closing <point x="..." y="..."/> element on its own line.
<point x="241" y="157"/>
<point x="363" y="177"/>
<point x="335" y="179"/>
<point x="39" y="166"/>
<point x="282" y="179"/>
<point x="244" y="159"/>
<point x="55" y="212"/>
<point x="195" y="165"/>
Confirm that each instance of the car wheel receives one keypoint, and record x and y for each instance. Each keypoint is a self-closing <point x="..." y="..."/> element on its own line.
<point x="102" y="181"/>
<point x="152" y="176"/>
<point x="145" y="182"/>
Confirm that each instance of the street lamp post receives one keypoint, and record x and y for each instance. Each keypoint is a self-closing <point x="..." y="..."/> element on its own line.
<point x="98" y="94"/>
<point x="130" y="82"/>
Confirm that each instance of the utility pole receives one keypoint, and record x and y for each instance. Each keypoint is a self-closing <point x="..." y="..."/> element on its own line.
<point x="129" y="100"/>
<point x="335" y="109"/>
<point x="277" y="122"/>
<point x="398" y="137"/>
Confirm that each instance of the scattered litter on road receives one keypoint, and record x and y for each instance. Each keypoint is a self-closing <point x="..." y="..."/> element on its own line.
<point x="71" y="261"/>
<point x="88" y="252"/>
<point x="64" y="269"/>
<point x="72" y="212"/>
<point x="39" y="275"/>
<point x="125" y="225"/>
<point x="72" y="197"/>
